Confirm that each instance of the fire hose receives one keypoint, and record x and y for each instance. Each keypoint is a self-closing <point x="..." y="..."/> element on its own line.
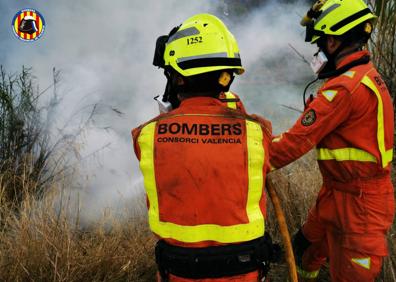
<point x="284" y="231"/>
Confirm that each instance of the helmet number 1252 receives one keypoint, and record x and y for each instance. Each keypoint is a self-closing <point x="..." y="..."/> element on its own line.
<point x="194" y="40"/>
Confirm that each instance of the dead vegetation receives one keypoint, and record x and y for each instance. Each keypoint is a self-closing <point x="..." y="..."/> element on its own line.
<point x="383" y="47"/>
<point x="24" y="145"/>
<point x="38" y="245"/>
<point x="383" y="43"/>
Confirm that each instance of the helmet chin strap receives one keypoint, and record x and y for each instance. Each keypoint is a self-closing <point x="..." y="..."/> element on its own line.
<point x="329" y="72"/>
<point x="331" y="66"/>
<point x="169" y="100"/>
<point x="362" y="61"/>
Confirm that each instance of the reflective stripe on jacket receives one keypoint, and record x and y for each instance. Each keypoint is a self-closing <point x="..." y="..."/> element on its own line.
<point x="355" y="154"/>
<point x="204" y="168"/>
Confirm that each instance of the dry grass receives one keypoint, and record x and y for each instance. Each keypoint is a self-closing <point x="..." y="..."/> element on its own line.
<point x="24" y="144"/>
<point x="39" y="245"/>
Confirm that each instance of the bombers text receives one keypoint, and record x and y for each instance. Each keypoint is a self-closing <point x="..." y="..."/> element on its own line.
<point x="200" y="129"/>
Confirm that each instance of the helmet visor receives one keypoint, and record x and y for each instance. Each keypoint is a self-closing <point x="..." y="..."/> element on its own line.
<point x="160" y="45"/>
<point x="311" y="33"/>
<point x="158" y="60"/>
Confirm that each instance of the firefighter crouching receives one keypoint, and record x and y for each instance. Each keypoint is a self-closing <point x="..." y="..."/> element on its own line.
<point x="351" y="123"/>
<point x="204" y="162"/>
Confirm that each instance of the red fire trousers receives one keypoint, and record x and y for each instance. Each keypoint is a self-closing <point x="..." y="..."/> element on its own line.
<point x="349" y="226"/>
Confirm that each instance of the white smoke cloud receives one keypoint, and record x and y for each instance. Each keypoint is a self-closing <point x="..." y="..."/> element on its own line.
<point x="276" y="74"/>
<point x="104" y="50"/>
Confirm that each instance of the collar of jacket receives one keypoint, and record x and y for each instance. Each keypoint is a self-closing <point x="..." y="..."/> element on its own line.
<point x="200" y="101"/>
<point x="352" y="57"/>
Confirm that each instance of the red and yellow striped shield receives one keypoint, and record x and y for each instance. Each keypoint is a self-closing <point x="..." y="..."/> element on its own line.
<point x="28" y="25"/>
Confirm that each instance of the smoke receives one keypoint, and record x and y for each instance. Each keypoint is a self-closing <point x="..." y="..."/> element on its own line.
<point x="272" y="43"/>
<point x="104" y="50"/>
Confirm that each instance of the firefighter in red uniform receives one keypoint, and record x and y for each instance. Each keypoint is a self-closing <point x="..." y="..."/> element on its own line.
<point x="351" y="123"/>
<point x="204" y="163"/>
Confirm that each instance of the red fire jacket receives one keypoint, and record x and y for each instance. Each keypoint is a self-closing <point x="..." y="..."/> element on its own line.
<point x="350" y="121"/>
<point x="204" y="166"/>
